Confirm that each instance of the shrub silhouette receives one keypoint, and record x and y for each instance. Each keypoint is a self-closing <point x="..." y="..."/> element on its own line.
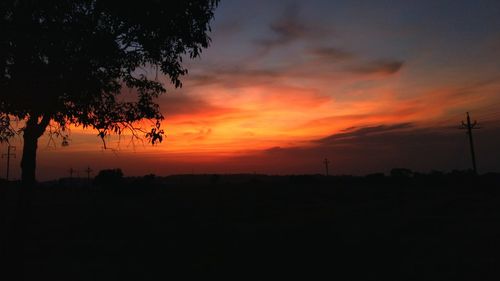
<point x="109" y="177"/>
<point x="144" y="181"/>
<point x="401" y="173"/>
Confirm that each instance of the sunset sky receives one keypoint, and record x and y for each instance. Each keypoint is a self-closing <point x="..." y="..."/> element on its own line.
<point x="370" y="85"/>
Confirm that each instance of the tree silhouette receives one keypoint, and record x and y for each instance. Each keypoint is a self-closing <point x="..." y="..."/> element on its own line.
<point x="109" y="177"/>
<point x="66" y="62"/>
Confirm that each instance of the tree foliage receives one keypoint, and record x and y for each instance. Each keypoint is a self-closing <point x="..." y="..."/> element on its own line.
<point x="109" y="177"/>
<point x="66" y="62"/>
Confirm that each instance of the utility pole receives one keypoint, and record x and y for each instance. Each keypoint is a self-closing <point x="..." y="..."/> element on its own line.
<point x="88" y="171"/>
<point x="11" y="152"/>
<point x="326" y="165"/>
<point x="469" y="127"/>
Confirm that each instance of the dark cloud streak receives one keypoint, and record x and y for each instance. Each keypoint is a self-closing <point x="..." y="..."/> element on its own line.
<point x="184" y="104"/>
<point x="380" y="148"/>
<point x="287" y="28"/>
<point x="234" y="77"/>
<point x="332" y="54"/>
<point x="354" y="132"/>
<point x="387" y="67"/>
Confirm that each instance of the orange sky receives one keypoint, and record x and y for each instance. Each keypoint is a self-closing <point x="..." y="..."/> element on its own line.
<point x="290" y="81"/>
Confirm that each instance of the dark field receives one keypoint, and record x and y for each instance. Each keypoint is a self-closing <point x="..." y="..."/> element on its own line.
<point x="423" y="228"/>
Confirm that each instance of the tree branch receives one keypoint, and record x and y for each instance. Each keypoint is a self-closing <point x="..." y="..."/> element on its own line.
<point x="43" y="124"/>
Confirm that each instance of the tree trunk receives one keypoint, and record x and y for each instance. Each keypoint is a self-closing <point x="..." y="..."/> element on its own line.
<point x="28" y="162"/>
<point x="32" y="132"/>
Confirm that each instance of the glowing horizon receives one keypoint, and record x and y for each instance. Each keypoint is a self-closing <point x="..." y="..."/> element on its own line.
<point x="285" y="84"/>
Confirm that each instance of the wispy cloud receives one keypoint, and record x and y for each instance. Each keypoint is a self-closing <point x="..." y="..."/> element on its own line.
<point x="180" y="105"/>
<point x="380" y="148"/>
<point x="331" y="54"/>
<point x="285" y="29"/>
<point x="233" y="77"/>
<point x="364" y="132"/>
<point x="290" y="28"/>
<point x="387" y="67"/>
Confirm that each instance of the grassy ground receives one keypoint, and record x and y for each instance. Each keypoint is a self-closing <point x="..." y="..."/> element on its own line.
<point x="432" y="228"/>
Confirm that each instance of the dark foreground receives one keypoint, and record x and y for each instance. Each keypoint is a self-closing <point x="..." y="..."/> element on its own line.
<point x="428" y="228"/>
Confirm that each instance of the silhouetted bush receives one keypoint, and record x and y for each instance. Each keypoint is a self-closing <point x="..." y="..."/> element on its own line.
<point x="109" y="177"/>
<point x="144" y="181"/>
<point x="462" y="173"/>
<point x="375" y="176"/>
<point x="401" y="173"/>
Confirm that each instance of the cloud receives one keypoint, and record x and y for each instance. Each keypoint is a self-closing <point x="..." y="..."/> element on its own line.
<point x="386" y="67"/>
<point x="199" y="134"/>
<point x="181" y="106"/>
<point x="248" y="75"/>
<point x="380" y="148"/>
<point x="354" y="132"/>
<point x="285" y="29"/>
<point x="233" y="77"/>
<point x="331" y="54"/>
<point x="289" y="28"/>
<point x="228" y="28"/>
<point x="420" y="149"/>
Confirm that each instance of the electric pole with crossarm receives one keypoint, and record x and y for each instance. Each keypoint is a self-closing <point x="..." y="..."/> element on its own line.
<point x="469" y="127"/>
<point x="71" y="172"/>
<point x="326" y="161"/>
<point x="88" y="171"/>
<point x="11" y="152"/>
